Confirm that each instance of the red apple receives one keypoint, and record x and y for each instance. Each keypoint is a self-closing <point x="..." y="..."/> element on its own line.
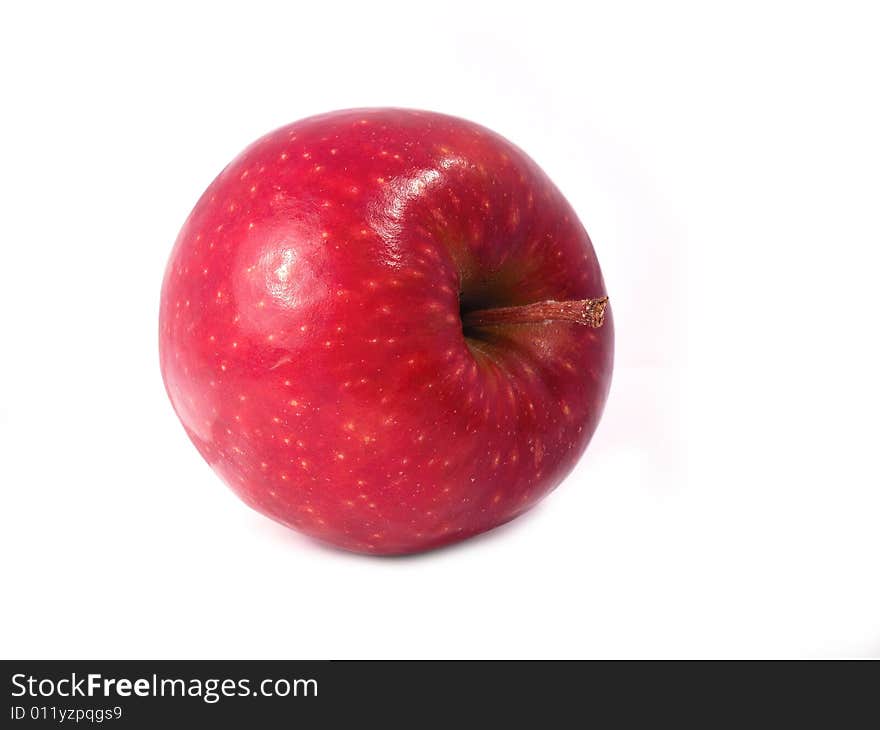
<point x="343" y="336"/>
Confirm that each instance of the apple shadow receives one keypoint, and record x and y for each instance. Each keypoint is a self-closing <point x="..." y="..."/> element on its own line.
<point x="293" y="538"/>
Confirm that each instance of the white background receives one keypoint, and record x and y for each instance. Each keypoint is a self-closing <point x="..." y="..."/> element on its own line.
<point x="724" y="158"/>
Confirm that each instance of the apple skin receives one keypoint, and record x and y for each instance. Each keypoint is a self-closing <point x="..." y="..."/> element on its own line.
<point x="311" y="339"/>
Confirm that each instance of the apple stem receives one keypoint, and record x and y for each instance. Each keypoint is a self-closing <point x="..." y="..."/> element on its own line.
<point x="588" y="312"/>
